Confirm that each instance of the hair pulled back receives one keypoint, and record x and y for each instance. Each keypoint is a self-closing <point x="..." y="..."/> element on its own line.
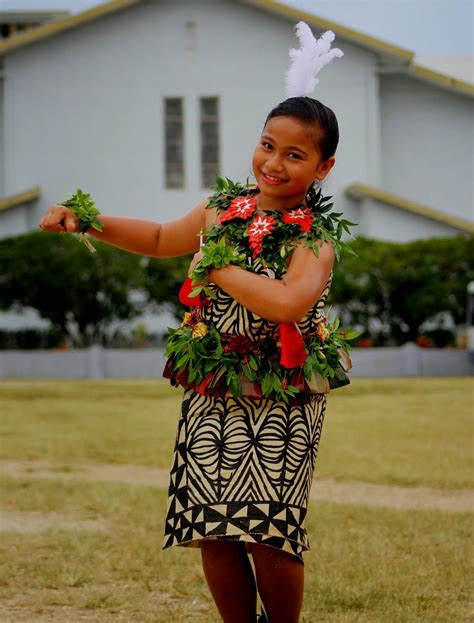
<point x="312" y="112"/>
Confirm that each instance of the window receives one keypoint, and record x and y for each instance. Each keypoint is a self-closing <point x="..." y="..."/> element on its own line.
<point x="174" y="144"/>
<point x="209" y="140"/>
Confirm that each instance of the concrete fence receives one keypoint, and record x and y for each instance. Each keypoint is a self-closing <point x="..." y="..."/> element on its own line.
<point x="98" y="363"/>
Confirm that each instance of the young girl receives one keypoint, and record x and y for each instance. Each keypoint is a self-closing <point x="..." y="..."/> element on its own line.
<point x="254" y="354"/>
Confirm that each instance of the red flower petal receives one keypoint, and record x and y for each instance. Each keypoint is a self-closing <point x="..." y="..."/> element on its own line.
<point x="302" y="217"/>
<point x="240" y="207"/>
<point x="260" y="227"/>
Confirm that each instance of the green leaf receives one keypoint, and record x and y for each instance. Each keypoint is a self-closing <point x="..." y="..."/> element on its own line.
<point x="248" y="372"/>
<point x="253" y="363"/>
<point x="351" y="335"/>
<point x="196" y="291"/>
<point x="267" y="384"/>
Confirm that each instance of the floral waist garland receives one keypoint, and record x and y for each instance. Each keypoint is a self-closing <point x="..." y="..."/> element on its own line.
<point x="285" y="365"/>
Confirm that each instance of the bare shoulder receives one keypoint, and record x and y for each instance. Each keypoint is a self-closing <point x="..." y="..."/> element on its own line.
<point x="207" y="215"/>
<point x="210" y="217"/>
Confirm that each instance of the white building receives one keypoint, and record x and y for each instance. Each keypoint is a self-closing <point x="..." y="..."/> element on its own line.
<point x="126" y="99"/>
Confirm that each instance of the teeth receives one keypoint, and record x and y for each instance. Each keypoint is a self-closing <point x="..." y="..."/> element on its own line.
<point x="276" y="179"/>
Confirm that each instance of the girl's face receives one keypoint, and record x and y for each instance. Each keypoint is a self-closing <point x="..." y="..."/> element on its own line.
<point x="286" y="161"/>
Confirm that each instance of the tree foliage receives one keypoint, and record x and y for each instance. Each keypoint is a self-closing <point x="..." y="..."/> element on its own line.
<point x="393" y="289"/>
<point x="390" y="290"/>
<point x="79" y="293"/>
<point x="163" y="280"/>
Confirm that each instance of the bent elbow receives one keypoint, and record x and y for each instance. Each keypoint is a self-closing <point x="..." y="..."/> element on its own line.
<point x="291" y="318"/>
<point x="290" y="313"/>
<point x="290" y="308"/>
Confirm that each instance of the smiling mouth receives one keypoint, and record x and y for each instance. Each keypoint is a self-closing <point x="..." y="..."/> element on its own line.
<point x="272" y="180"/>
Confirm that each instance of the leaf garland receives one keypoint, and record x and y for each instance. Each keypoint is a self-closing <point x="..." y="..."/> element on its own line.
<point x="275" y="248"/>
<point x="216" y="254"/>
<point x="203" y="353"/>
<point x="208" y="357"/>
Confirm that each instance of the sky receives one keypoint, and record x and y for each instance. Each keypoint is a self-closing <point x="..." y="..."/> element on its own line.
<point x="426" y="27"/>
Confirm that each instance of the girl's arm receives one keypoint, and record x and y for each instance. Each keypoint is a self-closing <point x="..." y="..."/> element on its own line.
<point x="280" y="300"/>
<point x="177" y="237"/>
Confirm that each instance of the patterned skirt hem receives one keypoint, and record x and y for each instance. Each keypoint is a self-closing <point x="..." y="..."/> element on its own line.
<point x="295" y="548"/>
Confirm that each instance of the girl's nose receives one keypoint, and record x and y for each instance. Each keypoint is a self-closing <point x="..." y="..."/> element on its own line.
<point x="275" y="162"/>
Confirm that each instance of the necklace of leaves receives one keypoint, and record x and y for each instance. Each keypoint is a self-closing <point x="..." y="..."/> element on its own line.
<point x="199" y="356"/>
<point x="243" y="233"/>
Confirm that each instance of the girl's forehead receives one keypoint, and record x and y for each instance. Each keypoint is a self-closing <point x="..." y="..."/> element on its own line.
<point x="291" y="131"/>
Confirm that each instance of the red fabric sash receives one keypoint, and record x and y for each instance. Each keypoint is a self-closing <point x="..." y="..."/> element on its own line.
<point x="293" y="352"/>
<point x="184" y="294"/>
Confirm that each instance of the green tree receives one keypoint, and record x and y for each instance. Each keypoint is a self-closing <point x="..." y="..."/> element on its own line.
<point x="79" y="293"/>
<point x="393" y="289"/>
<point x="359" y="288"/>
<point x="425" y="279"/>
<point x="163" y="280"/>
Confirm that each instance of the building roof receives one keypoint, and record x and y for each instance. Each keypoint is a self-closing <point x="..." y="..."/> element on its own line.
<point x="461" y="67"/>
<point x="62" y="25"/>
<point x="26" y="196"/>
<point x="402" y="57"/>
<point x="349" y="34"/>
<point x="22" y="17"/>
<point x="358" y="190"/>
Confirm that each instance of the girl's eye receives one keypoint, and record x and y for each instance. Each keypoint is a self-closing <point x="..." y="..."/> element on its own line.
<point x="292" y="155"/>
<point x="266" y="145"/>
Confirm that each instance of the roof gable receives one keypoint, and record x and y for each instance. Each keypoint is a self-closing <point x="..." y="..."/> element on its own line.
<point x="342" y="32"/>
<point x="271" y="6"/>
<point x="62" y="25"/>
<point x="388" y="52"/>
<point x="359" y="190"/>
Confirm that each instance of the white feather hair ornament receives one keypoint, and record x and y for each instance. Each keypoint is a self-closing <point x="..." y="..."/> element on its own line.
<point x="307" y="62"/>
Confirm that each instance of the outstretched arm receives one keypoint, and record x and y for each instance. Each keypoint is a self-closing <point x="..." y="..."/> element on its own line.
<point x="171" y="239"/>
<point x="280" y="300"/>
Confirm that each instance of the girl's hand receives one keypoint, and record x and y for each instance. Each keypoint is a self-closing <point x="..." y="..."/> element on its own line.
<point x="59" y="218"/>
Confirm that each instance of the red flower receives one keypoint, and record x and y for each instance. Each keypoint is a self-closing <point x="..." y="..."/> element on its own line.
<point x="241" y="345"/>
<point x="364" y="343"/>
<point x="241" y="207"/>
<point x="302" y="217"/>
<point x="423" y="341"/>
<point x="260" y="227"/>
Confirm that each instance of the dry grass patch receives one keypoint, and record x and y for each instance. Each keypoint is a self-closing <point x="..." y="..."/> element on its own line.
<point x="410" y="431"/>
<point x="368" y="565"/>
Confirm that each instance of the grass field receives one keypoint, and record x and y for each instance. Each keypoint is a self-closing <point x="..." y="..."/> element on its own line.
<point x="85" y="550"/>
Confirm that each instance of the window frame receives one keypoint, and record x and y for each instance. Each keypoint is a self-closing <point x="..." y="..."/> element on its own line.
<point x="214" y="167"/>
<point x="174" y="167"/>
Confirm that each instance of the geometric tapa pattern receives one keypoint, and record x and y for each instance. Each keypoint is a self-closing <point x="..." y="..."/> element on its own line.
<point x="242" y="470"/>
<point x="228" y="316"/>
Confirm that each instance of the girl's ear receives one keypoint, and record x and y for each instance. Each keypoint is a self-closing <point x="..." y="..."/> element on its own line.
<point x="324" y="168"/>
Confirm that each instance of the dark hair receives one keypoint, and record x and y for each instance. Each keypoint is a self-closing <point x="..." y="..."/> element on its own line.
<point x="312" y="112"/>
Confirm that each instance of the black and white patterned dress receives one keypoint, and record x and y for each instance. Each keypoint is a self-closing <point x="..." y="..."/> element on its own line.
<point x="243" y="467"/>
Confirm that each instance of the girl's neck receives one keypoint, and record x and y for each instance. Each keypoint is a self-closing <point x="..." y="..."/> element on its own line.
<point x="275" y="204"/>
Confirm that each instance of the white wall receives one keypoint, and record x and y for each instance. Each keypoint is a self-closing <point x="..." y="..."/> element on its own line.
<point x="84" y="108"/>
<point x="15" y="221"/>
<point x="384" y="222"/>
<point x="427" y="145"/>
<point x="409" y="360"/>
